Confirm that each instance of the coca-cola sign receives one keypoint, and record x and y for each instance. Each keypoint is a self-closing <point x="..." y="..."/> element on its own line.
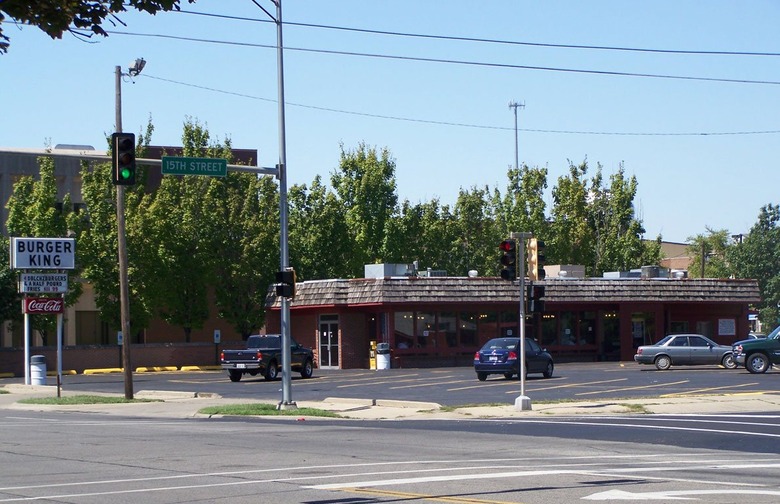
<point x="43" y="306"/>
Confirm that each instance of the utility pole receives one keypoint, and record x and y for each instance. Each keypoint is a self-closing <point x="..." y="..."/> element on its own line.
<point x="124" y="290"/>
<point x="514" y="105"/>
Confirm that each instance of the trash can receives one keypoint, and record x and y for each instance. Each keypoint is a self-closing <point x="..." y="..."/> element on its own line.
<point x="38" y="370"/>
<point x="383" y="355"/>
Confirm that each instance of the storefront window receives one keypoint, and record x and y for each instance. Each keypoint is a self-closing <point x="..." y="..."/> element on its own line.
<point x="467" y="324"/>
<point x="587" y="328"/>
<point x="448" y="328"/>
<point x="642" y="328"/>
<point x="568" y="328"/>
<point x="487" y="327"/>
<point x="509" y="325"/>
<point x="610" y="343"/>
<point x="404" y="329"/>
<point x="426" y="330"/>
<point x="549" y="329"/>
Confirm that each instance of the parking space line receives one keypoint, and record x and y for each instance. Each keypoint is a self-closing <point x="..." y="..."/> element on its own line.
<point x="709" y="389"/>
<point x="581" y="384"/>
<point x="424" y="497"/>
<point x="655" y="385"/>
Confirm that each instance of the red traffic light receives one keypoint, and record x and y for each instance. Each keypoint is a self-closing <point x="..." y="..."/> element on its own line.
<point x="507" y="246"/>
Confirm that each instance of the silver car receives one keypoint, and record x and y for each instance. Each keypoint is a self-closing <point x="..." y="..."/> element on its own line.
<point x="685" y="350"/>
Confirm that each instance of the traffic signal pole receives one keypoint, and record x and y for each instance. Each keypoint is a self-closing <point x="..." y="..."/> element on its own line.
<point x="522" y="402"/>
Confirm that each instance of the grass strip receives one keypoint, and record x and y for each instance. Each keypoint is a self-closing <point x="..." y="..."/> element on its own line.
<point x="264" y="409"/>
<point x="83" y="399"/>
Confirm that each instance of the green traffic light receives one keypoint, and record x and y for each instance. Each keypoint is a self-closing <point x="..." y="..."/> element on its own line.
<point x="125" y="173"/>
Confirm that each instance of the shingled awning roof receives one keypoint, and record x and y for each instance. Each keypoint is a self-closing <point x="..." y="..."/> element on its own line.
<point x="439" y="290"/>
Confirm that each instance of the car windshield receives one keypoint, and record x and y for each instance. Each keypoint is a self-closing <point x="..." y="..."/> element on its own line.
<point x="774" y="334"/>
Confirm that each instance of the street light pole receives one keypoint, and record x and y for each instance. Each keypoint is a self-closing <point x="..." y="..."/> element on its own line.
<point x="522" y="402"/>
<point x="287" y="402"/>
<point x="124" y="290"/>
<point x="514" y="105"/>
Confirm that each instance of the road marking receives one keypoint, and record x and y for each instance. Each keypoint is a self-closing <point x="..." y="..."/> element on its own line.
<point x="632" y="388"/>
<point x="581" y="384"/>
<point x="425" y="497"/>
<point x="678" y="394"/>
<point x="671" y="494"/>
<point x="427" y="384"/>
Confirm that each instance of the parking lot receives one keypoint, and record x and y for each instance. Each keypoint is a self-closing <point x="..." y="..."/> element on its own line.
<point x="452" y="386"/>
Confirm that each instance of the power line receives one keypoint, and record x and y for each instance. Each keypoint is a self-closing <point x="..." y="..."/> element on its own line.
<point x="456" y="124"/>
<point x="493" y="41"/>
<point x="455" y="62"/>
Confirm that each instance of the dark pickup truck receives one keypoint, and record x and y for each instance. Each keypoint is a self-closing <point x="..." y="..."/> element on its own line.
<point x="263" y="355"/>
<point x="760" y="354"/>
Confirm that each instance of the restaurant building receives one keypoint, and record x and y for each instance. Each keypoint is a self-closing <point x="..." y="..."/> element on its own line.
<point x="442" y="321"/>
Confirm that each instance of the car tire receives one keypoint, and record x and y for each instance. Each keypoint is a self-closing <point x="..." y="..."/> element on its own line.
<point x="271" y="372"/>
<point x="308" y="369"/>
<point x="481" y="376"/>
<point x="234" y="376"/>
<point x="548" y="371"/>
<point x="508" y="376"/>
<point x="663" y="362"/>
<point x="757" y="363"/>
<point x="728" y="361"/>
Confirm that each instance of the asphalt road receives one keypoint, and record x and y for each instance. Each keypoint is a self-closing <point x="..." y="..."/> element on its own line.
<point x="85" y="458"/>
<point x="92" y="458"/>
<point x="452" y="386"/>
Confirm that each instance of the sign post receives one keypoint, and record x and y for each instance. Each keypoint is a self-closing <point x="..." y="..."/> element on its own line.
<point x="32" y="253"/>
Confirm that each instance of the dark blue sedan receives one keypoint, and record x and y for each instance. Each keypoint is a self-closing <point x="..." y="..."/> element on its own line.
<point x="502" y="356"/>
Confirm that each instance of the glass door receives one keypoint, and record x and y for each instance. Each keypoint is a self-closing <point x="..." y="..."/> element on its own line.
<point x="329" y="341"/>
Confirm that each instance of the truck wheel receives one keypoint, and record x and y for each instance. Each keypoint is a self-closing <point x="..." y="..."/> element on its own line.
<point x="308" y="369"/>
<point x="234" y="376"/>
<point x="757" y="363"/>
<point x="271" y="372"/>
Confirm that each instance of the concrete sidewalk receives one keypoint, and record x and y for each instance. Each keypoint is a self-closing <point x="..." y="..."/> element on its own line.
<point x="188" y="405"/>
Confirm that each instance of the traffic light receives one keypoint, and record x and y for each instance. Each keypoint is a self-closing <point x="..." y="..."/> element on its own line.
<point x="536" y="259"/>
<point x="123" y="158"/>
<point x="536" y="298"/>
<point x="508" y="260"/>
<point x="285" y="283"/>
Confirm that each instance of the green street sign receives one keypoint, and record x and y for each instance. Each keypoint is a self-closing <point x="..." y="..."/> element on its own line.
<point x="211" y="167"/>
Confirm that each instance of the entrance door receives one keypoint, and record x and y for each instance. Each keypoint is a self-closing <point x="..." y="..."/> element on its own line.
<point x="329" y="341"/>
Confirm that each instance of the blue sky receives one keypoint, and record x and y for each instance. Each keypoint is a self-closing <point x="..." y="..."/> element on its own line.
<point x="453" y="127"/>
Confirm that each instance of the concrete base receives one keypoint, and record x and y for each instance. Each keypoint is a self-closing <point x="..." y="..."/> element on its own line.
<point x="523" y="403"/>
<point x="287" y="406"/>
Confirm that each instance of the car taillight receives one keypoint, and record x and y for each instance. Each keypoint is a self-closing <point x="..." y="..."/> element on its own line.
<point x="639" y="351"/>
<point x="512" y="355"/>
<point x="259" y="355"/>
<point x="222" y="356"/>
<point x="476" y="355"/>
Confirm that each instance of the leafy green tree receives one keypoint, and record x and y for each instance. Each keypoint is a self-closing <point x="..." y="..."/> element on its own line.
<point x="55" y="17"/>
<point x="758" y="256"/>
<point x="10" y="298"/>
<point x="522" y="209"/>
<point x="619" y="245"/>
<point x="176" y="223"/>
<point x="97" y="242"/>
<point x="423" y="232"/>
<point x="708" y="254"/>
<point x="243" y="217"/>
<point x="477" y="236"/>
<point x="365" y="185"/>
<point x="319" y="238"/>
<point x="572" y="237"/>
<point x="33" y="211"/>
